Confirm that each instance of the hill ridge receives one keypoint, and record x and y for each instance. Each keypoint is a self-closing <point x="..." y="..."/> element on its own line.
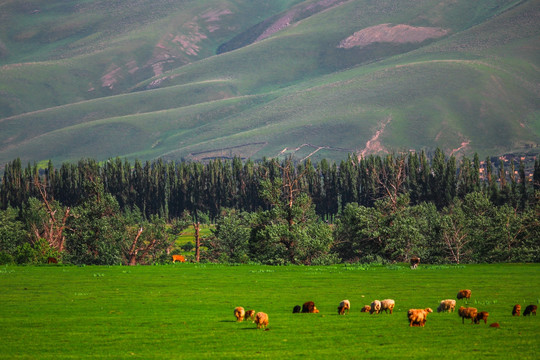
<point x="460" y="76"/>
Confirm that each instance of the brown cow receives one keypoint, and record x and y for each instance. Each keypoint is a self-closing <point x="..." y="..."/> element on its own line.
<point x="261" y="319"/>
<point x="417" y="317"/>
<point x="414" y="262"/>
<point x="467" y="313"/>
<point x="530" y="309"/>
<point x="516" y="311"/>
<point x="464" y="294"/>
<point x="309" y="307"/>
<point x="250" y="314"/>
<point x="52" y="260"/>
<point x="482" y="315"/>
<point x="239" y="313"/>
<point x="180" y="258"/>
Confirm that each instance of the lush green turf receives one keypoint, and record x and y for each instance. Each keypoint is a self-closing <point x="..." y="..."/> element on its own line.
<point x="186" y="311"/>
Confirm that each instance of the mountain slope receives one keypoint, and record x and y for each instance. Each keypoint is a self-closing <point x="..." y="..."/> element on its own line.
<point x="310" y="78"/>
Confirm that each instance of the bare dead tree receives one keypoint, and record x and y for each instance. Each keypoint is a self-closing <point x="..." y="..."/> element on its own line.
<point x="134" y="250"/>
<point x="197" y="226"/>
<point x="291" y="184"/>
<point x="455" y="238"/>
<point x="53" y="228"/>
<point x="391" y="178"/>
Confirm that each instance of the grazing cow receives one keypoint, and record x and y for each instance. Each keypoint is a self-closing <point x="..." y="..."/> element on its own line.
<point x="261" y="319"/>
<point x="52" y="260"/>
<point x="417" y="317"/>
<point x="180" y="258"/>
<point x="309" y="307"/>
<point x="344" y="305"/>
<point x="467" y="313"/>
<point x="464" y="294"/>
<point x="388" y="304"/>
<point x="447" y="305"/>
<point x="482" y="315"/>
<point x="375" y="307"/>
<point x="250" y="314"/>
<point x="239" y="313"/>
<point x="530" y="309"/>
<point x="516" y="311"/>
<point x="296" y="309"/>
<point x="366" y="308"/>
<point x="414" y="262"/>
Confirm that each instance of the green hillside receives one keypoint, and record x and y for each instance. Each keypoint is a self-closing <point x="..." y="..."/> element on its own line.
<point x="217" y="78"/>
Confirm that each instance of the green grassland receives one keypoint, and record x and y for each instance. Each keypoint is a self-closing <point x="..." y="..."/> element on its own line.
<point x="185" y="311"/>
<point x="110" y="79"/>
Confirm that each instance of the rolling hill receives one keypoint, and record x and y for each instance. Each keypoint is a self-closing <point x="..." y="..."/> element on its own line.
<point x="186" y="79"/>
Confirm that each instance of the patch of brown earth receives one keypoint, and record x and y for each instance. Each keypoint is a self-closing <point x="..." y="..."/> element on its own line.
<point x="215" y="15"/>
<point x="188" y="43"/>
<point x="111" y="77"/>
<point x="400" y="33"/>
<point x="282" y="23"/>
<point x="132" y="66"/>
<point x="463" y="146"/>
<point x="174" y="46"/>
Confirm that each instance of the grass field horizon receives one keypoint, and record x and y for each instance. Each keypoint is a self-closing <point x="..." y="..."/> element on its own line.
<point x="185" y="311"/>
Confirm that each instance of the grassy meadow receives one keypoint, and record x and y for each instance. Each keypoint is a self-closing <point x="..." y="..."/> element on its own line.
<point x="186" y="311"/>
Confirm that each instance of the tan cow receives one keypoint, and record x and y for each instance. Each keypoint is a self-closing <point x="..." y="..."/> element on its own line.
<point x="447" y="305"/>
<point x="239" y="313"/>
<point x="418" y="317"/>
<point x="388" y="304"/>
<point x="261" y="319"/>
<point x="345" y="305"/>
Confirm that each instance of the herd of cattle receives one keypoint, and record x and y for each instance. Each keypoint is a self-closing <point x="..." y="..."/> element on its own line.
<point x="416" y="317"/>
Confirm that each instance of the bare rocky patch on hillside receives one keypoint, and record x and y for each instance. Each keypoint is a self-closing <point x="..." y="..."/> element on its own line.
<point x="388" y="33"/>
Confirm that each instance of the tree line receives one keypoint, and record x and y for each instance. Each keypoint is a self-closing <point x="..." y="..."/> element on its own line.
<point x="377" y="208"/>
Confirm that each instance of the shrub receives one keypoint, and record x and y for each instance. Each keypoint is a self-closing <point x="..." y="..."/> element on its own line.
<point x="6" y="258"/>
<point x="189" y="246"/>
<point x="25" y="254"/>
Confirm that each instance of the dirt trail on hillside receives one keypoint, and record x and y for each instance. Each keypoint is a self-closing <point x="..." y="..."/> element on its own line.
<point x="373" y="145"/>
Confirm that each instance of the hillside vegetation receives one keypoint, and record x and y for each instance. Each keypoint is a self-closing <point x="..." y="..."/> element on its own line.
<point x="192" y="79"/>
